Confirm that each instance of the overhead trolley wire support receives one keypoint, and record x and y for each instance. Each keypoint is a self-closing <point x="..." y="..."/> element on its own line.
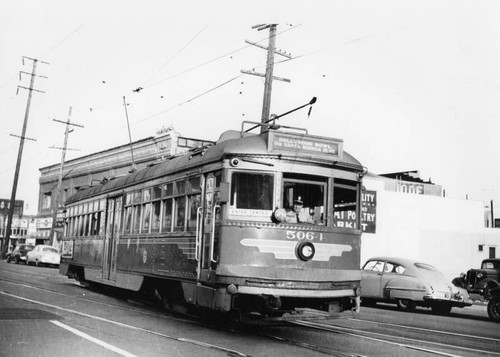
<point x="55" y="201"/>
<point x="271" y="50"/>
<point x="6" y="240"/>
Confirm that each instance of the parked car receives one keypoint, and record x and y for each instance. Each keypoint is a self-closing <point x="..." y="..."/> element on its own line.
<point x="409" y="284"/>
<point x="494" y="304"/>
<point x="44" y="255"/>
<point x="481" y="281"/>
<point x="18" y="255"/>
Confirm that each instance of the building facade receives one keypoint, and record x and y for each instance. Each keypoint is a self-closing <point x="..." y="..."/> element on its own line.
<point x="99" y="167"/>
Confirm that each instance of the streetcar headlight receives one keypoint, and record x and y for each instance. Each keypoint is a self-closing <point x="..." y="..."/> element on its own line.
<point x="305" y="251"/>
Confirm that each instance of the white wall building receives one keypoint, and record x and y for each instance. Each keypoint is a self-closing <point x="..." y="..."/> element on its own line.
<point x="447" y="233"/>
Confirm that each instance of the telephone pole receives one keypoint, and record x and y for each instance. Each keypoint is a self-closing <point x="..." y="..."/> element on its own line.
<point x="268" y="84"/>
<point x="57" y="193"/>
<point x="6" y="241"/>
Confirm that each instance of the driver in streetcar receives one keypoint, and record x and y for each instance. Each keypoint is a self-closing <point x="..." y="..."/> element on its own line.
<point x="298" y="214"/>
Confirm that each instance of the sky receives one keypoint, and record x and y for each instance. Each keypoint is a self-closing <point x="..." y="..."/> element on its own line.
<point x="408" y="85"/>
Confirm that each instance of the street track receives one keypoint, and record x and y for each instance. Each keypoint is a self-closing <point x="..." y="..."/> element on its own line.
<point x="400" y="336"/>
<point x="229" y="352"/>
<point x="417" y="344"/>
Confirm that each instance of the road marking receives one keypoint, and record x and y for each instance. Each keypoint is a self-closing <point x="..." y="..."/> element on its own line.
<point x="92" y="339"/>
<point x="180" y="339"/>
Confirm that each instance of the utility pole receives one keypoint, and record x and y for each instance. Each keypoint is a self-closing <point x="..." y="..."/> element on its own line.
<point x="268" y="84"/>
<point x="6" y="241"/>
<point x="57" y="193"/>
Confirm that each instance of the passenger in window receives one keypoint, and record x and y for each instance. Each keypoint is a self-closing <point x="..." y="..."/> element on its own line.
<point x="298" y="214"/>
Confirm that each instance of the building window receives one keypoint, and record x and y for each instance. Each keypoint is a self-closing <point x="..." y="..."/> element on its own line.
<point x="480" y="248"/>
<point x="47" y="200"/>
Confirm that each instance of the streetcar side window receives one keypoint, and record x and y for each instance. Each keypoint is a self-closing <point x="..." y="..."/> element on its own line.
<point x="137" y="210"/>
<point x="252" y="191"/>
<point x="345" y="203"/>
<point x="146" y="210"/>
<point x="156" y="209"/>
<point x="180" y="213"/>
<point x="193" y="190"/>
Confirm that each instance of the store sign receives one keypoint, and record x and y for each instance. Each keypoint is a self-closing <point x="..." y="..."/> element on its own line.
<point x="44" y="222"/>
<point x="368" y="211"/>
<point x="410" y="187"/>
<point x="347" y="219"/>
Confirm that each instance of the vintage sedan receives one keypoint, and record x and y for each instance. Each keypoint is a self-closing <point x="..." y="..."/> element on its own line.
<point x="44" y="255"/>
<point x="19" y="253"/>
<point x="409" y="284"/>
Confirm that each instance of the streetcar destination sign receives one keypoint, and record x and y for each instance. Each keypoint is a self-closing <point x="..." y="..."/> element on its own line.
<point x="312" y="145"/>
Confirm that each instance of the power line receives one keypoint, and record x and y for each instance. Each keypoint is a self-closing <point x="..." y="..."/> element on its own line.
<point x="175" y="55"/>
<point x="189" y="100"/>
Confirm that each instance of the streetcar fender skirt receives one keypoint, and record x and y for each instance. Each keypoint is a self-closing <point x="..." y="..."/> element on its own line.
<point x="217" y="299"/>
<point x="124" y="281"/>
<point x="63" y="269"/>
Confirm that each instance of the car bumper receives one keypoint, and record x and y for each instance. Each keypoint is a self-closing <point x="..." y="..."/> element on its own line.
<point x="453" y="299"/>
<point x="54" y="261"/>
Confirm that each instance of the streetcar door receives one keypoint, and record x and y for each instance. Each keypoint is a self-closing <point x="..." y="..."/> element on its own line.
<point x="208" y="242"/>
<point x="111" y="240"/>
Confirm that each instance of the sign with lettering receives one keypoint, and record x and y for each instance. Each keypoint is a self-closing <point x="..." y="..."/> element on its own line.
<point x="305" y="144"/>
<point x="347" y="218"/>
<point x="410" y="187"/>
<point x="368" y="211"/>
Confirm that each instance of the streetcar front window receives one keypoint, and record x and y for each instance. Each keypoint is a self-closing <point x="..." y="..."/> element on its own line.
<point x="304" y="198"/>
<point x="252" y="191"/>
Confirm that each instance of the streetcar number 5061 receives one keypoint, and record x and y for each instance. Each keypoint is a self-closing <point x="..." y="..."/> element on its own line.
<point x="301" y="235"/>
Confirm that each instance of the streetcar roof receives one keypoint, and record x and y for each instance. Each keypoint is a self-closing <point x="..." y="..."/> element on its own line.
<point x="230" y="143"/>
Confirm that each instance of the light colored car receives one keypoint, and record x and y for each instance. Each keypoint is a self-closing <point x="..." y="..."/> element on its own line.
<point x="408" y="284"/>
<point x="44" y="255"/>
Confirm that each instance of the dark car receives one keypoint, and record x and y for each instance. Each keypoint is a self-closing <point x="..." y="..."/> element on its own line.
<point x="481" y="281"/>
<point x="494" y="304"/>
<point x="19" y="253"/>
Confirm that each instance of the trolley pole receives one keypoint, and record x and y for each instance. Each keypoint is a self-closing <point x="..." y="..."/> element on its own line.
<point x="57" y="193"/>
<point x="6" y="240"/>
<point x="268" y="83"/>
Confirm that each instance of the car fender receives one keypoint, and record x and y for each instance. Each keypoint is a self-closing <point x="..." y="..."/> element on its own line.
<point x="495" y="293"/>
<point x="403" y="287"/>
<point x="484" y="283"/>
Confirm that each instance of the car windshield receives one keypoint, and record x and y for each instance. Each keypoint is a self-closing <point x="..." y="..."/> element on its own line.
<point x="490" y="265"/>
<point x="53" y="250"/>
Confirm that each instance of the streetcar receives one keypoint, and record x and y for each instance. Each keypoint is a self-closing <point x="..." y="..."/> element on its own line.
<point x="257" y="226"/>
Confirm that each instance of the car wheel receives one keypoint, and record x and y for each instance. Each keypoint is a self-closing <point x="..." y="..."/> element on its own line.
<point x="8" y="259"/>
<point x="494" y="309"/>
<point x="441" y="309"/>
<point x="406" y="304"/>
